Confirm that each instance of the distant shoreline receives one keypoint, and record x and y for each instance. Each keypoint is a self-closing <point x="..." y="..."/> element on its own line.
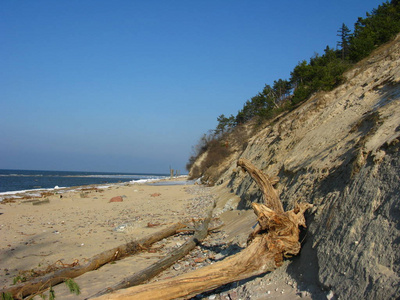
<point x="37" y="193"/>
<point x="12" y="181"/>
<point x="39" y="231"/>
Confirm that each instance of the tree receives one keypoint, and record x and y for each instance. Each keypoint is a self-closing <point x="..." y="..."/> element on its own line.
<point x="300" y="78"/>
<point x="300" y="74"/>
<point x="344" y="43"/>
<point x="322" y="73"/>
<point x="224" y="124"/>
<point x="282" y="89"/>
<point x="378" y="27"/>
<point x="327" y="70"/>
<point x="260" y="106"/>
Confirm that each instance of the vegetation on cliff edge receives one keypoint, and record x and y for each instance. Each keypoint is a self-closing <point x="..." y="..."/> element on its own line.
<point x="321" y="73"/>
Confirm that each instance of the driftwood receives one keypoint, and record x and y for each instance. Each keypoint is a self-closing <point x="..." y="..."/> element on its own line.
<point x="201" y="232"/>
<point x="41" y="283"/>
<point x="265" y="183"/>
<point x="276" y="235"/>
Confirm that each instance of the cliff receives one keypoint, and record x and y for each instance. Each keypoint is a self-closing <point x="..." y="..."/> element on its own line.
<point x="339" y="151"/>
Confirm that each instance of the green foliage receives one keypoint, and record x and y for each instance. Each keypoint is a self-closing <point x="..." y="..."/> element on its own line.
<point x="6" y="296"/>
<point x="263" y="105"/>
<point x="378" y="27"/>
<point x="344" y="43"/>
<point x="52" y="295"/>
<point x="321" y="73"/>
<point x="282" y="89"/>
<point x="326" y="70"/>
<point x="19" y="279"/>
<point x="224" y="124"/>
<point x="73" y="286"/>
<point x="302" y="92"/>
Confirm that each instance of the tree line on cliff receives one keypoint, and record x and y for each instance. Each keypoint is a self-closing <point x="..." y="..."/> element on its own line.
<point x="321" y="73"/>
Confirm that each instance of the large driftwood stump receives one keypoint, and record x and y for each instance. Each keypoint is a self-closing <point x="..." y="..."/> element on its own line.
<point x="276" y="235"/>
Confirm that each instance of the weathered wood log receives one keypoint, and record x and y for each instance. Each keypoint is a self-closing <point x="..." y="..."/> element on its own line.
<point x="277" y="235"/>
<point x="201" y="232"/>
<point x="270" y="195"/>
<point x="37" y="284"/>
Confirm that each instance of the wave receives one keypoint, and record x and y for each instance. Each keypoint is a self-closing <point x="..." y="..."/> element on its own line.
<point x="87" y="176"/>
<point x="100" y="186"/>
<point x="22" y="175"/>
<point x="29" y="191"/>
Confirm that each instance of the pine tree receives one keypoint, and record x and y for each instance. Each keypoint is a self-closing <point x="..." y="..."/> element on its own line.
<point x="344" y="34"/>
<point x="378" y="27"/>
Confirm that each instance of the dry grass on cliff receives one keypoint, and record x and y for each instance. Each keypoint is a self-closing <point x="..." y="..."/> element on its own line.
<point x="216" y="159"/>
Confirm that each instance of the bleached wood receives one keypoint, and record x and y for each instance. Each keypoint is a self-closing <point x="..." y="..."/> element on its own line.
<point x="270" y="195"/>
<point x="38" y="284"/>
<point x="276" y="235"/>
<point x="201" y="232"/>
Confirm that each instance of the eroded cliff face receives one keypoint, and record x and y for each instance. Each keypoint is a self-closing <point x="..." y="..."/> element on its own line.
<point x="340" y="151"/>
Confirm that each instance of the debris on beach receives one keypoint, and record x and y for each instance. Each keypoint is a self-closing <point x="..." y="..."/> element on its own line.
<point x="128" y="227"/>
<point x="40" y="202"/>
<point x="121" y="228"/>
<point x="116" y="199"/>
<point x="153" y="224"/>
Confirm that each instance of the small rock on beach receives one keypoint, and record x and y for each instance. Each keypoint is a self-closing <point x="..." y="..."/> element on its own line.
<point x="116" y="199"/>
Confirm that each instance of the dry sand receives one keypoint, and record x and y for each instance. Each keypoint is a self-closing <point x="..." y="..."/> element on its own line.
<point x="84" y="223"/>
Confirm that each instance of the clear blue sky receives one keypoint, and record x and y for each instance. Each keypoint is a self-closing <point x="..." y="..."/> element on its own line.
<point x="131" y="86"/>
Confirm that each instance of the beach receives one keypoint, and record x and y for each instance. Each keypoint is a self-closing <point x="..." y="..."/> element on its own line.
<point x="69" y="226"/>
<point x="74" y="225"/>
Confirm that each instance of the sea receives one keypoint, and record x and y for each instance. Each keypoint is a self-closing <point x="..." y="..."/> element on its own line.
<point x="23" y="180"/>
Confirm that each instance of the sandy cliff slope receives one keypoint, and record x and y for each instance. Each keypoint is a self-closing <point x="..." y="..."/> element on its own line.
<point x="340" y="151"/>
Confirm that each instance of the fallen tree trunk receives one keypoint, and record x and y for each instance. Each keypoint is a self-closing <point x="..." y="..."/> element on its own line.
<point x="276" y="235"/>
<point x="200" y="234"/>
<point x="38" y="284"/>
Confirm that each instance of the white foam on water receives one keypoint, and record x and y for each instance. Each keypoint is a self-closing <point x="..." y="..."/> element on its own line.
<point x="144" y="180"/>
<point x="103" y="186"/>
<point x="29" y="191"/>
<point x="36" y="192"/>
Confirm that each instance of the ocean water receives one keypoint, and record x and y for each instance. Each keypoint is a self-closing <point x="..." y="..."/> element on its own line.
<point x="21" y="180"/>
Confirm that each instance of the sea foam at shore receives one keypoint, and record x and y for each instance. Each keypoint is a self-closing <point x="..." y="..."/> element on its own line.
<point x="19" y="181"/>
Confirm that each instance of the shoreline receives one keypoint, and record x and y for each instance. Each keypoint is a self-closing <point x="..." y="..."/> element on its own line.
<point x="83" y="223"/>
<point x="80" y="222"/>
<point x="21" y="194"/>
<point x="12" y="181"/>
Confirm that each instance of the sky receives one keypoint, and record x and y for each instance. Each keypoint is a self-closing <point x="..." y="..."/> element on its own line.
<point x="131" y="86"/>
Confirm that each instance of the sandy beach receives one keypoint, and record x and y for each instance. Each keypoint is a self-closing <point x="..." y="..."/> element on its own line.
<point x="71" y="226"/>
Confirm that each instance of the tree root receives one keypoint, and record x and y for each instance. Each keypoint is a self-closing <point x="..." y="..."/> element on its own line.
<point x="276" y="236"/>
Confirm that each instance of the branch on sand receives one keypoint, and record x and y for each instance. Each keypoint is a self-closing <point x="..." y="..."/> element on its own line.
<point x="201" y="232"/>
<point x="276" y="235"/>
<point x="41" y="283"/>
